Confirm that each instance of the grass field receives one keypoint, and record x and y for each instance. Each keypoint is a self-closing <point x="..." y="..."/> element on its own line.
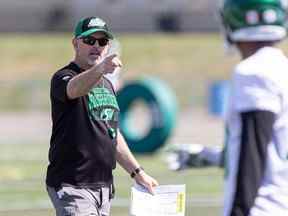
<point x="166" y="55"/>
<point x="22" y="188"/>
<point x="184" y="61"/>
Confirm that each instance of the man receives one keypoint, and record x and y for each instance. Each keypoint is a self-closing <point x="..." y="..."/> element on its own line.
<point x="257" y="118"/>
<point x="85" y="142"/>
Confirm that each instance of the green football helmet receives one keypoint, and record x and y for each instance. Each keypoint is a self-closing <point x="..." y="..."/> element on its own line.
<point x="254" y="20"/>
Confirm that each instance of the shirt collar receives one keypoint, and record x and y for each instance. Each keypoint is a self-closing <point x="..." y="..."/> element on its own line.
<point x="75" y="67"/>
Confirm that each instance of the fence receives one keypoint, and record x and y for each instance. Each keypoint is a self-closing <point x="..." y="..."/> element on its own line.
<point x="140" y="16"/>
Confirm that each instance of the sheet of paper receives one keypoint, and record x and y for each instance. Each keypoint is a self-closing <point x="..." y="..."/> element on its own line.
<point x="169" y="200"/>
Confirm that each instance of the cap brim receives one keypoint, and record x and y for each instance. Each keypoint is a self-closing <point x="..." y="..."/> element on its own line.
<point x="91" y="31"/>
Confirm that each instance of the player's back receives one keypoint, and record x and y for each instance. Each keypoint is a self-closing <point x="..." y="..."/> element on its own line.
<point x="260" y="82"/>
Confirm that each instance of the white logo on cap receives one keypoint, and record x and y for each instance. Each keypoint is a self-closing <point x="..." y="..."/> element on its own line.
<point x="252" y="17"/>
<point x="270" y="16"/>
<point x="96" y="22"/>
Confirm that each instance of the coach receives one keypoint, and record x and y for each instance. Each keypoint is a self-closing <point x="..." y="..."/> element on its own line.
<point x="86" y="142"/>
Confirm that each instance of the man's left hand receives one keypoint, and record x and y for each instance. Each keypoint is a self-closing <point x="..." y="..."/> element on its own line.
<point x="147" y="181"/>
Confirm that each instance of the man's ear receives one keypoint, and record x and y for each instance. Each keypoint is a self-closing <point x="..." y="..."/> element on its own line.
<point x="75" y="44"/>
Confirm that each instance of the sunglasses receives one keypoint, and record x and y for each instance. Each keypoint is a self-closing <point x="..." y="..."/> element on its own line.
<point x="91" y="41"/>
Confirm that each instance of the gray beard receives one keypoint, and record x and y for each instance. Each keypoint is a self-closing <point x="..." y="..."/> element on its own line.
<point x="91" y="62"/>
<point x="94" y="62"/>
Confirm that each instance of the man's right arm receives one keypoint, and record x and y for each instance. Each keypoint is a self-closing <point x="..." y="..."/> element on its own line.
<point x="81" y="84"/>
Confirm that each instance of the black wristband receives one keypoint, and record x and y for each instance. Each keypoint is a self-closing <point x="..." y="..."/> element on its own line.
<point x="136" y="171"/>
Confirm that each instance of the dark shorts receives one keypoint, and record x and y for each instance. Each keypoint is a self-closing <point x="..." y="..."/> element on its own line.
<point x="70" y="201"/>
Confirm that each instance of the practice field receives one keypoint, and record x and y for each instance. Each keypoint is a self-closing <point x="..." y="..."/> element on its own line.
<point x="23" y="162"/>
<point x="166" y="55"/>
<point x="184" y="61"/>
<point x="22" y="190"/>
<point x="187" y="62"/>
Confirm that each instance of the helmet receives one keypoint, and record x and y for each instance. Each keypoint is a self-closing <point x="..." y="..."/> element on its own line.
<point x="254" y="20"/>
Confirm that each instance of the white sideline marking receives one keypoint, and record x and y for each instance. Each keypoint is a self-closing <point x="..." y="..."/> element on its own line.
<point x="119" y="202"/>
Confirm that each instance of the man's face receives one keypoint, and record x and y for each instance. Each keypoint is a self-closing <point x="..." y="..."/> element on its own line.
<point x="91" y="49"/>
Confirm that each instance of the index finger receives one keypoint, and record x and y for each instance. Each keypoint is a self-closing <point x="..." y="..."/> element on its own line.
<point x="150" y="189"/>
<point x="117" y="62"/>
<point x="155" y="183"/>
<point x="111" y="56"/>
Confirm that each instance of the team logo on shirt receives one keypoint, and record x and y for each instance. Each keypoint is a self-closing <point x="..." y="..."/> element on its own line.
<point x="65" y="78"/>
<point x="102" y="105"/>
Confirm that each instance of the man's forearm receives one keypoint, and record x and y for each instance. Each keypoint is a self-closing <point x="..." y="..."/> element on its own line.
<point x="130" y="164"/>
<point x="124" y="156"/>
<point x="81" y="84"/>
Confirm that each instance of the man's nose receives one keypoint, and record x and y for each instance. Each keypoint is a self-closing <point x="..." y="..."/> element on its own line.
<point x="96" y="49"/>
<point x="96" y="44"/>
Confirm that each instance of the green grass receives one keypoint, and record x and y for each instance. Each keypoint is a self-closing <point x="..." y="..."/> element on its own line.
<point x="167" y="55"/>
<point x="210" y="211"/>
<point x="184" y="61"/>
<point x="22" y="177"/>
<point x="187" y="62"/>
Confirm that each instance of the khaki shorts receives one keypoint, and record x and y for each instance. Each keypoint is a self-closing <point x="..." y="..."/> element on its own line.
<point x="70" y="201"/>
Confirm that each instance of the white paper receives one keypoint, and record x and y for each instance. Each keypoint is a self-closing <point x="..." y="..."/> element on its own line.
<point x="169" y="200"/>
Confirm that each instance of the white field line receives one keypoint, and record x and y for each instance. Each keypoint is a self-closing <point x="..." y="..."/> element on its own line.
<point x="117" y="202"/>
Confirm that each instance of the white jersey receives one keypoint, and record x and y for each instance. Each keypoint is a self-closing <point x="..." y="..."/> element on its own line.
<point x="260" y="82"/>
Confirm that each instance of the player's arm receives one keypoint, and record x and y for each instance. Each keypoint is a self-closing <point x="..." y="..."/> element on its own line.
<point x="257" y="129"/>
<point x="81" y="84"/>
<point x="126" y="159"/>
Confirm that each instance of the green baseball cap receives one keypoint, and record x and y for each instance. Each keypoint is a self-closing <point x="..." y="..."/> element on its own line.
<point x="90" y="25"/>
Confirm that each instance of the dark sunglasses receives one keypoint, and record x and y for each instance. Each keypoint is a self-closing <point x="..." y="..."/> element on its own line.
<point x="91" y="41"/>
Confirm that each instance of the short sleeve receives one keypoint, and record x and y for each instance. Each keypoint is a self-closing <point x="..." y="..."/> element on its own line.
<point x="59" y="84"/>
<point x="253" y="92"/>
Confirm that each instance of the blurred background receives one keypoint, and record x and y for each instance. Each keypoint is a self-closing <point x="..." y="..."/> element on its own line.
<point x="177" y="41"/>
